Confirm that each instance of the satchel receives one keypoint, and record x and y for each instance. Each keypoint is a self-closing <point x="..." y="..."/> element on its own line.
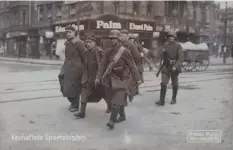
<point x="119" y="84"/>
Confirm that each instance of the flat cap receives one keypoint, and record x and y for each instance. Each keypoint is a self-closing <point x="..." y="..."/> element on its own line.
<point x="124" y="31"/>
<point x="70" y="28"/>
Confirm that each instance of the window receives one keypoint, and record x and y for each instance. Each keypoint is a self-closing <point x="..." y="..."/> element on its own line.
<point x="149" y="8"/>
<point x="172" y="7"/>
<point x="40" y="13"/>
<point x="59" y="10"/>
<point x="116" y="6"/>
<point x="24" y="16"/>
<point x="136" y="9"/>
<point x="72" y="9"/>
<point x="49" y="8"/>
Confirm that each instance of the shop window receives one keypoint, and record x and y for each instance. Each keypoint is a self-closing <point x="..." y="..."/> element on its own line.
<point x="182" y="6"/>
<point x="116" y="6"/>
<point x="49" y="11"/>
<point x="40" y="13"/>
<point x="149" y="8"/>
<point x="136" y="8"/>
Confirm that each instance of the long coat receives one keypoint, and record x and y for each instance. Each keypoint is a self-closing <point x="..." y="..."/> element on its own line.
<point x="73" y="67"/>
<point x="92" y="61"/>
<point x="138" y="61"/>
<point x="128" y="66"/>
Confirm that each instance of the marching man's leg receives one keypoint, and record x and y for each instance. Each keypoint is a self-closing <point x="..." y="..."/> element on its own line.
<point x="174" y="78"/>
<point x="165" y="80"/>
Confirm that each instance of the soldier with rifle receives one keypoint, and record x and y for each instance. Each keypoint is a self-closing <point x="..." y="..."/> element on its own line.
<point x="114" y="72"/>
<point x="170" y="67"/>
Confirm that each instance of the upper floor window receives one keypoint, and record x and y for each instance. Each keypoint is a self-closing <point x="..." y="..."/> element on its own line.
<point x="40" y="13"/>
<point x="136" y="7"/>
<point x="24" y="16"/>
<point x="72" y="9"/>
<point x="116" y="6"/>
<point x="59" y="10"/>
<point x="49" y="11"/>
<point x="149" y="8"/>
<point x="172" y="7"/>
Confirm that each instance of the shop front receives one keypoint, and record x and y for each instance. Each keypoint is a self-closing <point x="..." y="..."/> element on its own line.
<point x="144" y="31"/>
<point x="60" y="36"/>
<point x="17" y="44"/>
<point x="102" y="25"/>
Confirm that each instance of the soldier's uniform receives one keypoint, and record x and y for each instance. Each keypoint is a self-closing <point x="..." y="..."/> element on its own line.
<point x="172" y="58"/>
<point x="119" y="73"/>
<point x="92" y="63"/>
<point x="133" y="87"/>
<point x="73" y="69"/>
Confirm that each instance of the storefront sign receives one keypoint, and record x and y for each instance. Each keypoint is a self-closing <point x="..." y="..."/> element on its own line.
<point x="59" y="29"/>
<point x="142" y="27"/>
<point x="108" y="25"/>
<point x="15" y="34"/>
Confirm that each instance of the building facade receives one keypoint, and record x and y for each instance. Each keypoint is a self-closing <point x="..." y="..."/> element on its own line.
<point x="148" y="19"/>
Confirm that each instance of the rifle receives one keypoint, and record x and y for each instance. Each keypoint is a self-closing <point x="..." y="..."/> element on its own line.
<point x="161" y="64"/>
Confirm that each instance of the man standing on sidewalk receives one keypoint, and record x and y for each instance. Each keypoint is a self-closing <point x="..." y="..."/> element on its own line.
<point x="170" y="68"/>
<point x="73" y="68"/>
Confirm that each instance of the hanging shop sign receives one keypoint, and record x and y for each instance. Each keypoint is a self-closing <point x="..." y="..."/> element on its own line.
<point x="140" y="27"/>
<point x="59" y="29"/>
<point x="108" y="25"/>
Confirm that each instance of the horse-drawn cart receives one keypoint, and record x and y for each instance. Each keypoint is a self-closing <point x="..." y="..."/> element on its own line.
<point x="195" y="57"/>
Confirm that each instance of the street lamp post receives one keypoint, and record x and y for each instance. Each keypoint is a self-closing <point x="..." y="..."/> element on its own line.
<point x="225" y="36"/>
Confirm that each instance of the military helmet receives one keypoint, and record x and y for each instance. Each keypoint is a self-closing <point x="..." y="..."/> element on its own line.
<point x="172" y="33"/>
<point x="114" y="34"/>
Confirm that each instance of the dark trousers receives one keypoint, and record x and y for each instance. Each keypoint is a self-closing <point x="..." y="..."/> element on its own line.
<point x="166" y="77"/>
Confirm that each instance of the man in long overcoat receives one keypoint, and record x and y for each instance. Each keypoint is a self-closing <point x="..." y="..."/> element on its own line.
<point x="133" y="87"/>
<point x="116" y="65"/>
<point x="93" y="59"/>
<point x="73" y="68"/>
<point x="171" y="67"/>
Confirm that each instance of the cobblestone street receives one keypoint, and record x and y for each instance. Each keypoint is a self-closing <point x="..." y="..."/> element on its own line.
<point x="31" y="103"/>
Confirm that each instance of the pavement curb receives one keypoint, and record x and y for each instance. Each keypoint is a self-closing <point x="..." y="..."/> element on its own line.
<point x="59" y="63"/>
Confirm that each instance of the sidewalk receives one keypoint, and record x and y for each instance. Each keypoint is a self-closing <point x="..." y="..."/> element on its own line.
<point x="33" y="61"/>
<point x="213" y="61"/>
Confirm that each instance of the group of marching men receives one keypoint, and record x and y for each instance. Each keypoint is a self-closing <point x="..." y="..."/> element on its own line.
<point x="113" y="74"/>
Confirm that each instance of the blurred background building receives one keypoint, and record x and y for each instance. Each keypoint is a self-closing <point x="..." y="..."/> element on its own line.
<point x="33" y="29"/>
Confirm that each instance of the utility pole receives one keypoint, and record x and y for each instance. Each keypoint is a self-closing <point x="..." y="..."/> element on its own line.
<point x="225" y="36"/>
<point x="78" y="16"/>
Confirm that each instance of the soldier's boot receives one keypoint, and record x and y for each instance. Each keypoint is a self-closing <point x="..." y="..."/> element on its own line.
<point x="81" y="114"/>
<point x="113" y="117"/>
<point x="174" y="93"/>
<point x="109" y="107"/>
<point x="162" y="96"/>
<point x="76" y="107"/>
<point x="122" y="116"/>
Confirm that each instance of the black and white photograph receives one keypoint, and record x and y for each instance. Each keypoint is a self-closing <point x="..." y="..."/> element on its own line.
<point x="116" y="75"/>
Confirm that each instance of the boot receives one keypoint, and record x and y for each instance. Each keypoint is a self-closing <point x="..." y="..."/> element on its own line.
<point x="81" y="114"/>
<point x="109" y="107"/>
<point x="174" y="93"/>
<point x="122" y="115"/>
<point x="162" y="96"/>
<point x="71" y="106"/>
<point x="113" y="117"/>
<point x="76" y="107"/>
